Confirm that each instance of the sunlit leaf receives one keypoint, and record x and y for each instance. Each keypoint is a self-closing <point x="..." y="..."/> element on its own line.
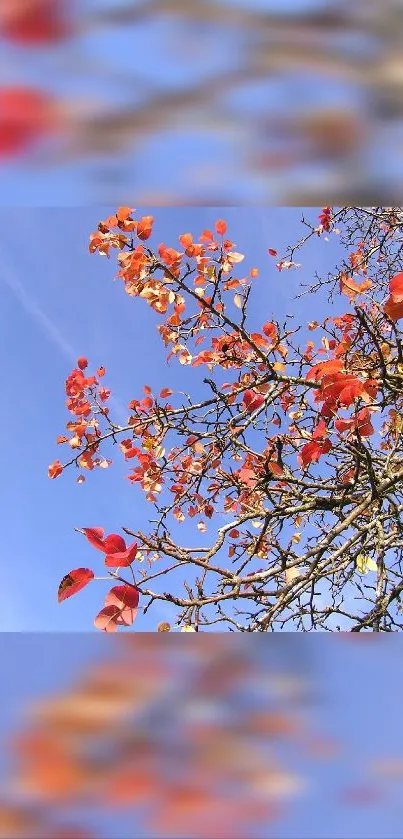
<point x="73" y="582"/>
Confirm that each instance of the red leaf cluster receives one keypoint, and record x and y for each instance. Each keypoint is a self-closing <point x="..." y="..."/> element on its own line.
<point x="361" y="423"/>
<point x="117" y="555"/>
<point x="339" y="388"/>
<point x="120" y="608"/>
<point x="325" y="218"/>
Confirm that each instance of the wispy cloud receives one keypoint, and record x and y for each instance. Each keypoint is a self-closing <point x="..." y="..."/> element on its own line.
<point x="53" y="332"/>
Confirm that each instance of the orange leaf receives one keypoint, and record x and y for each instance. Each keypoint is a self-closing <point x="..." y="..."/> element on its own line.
<point x="123" y="213"/>
<point x="186" y="239"/>
<point x="206" y="236"/>
<point x="55" y="469"/>
<point x="349" y="287"/>
<point x="220" y="227"/>
<point x="270" y="330"/>
<point x="144" y="227"/>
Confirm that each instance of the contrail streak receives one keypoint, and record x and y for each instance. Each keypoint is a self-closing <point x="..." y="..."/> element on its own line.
<point x="49" y="328"/>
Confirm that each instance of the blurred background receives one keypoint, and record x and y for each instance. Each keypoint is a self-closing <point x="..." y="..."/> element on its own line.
<point x="211" y="102"/>
<point x="290" y="736"/>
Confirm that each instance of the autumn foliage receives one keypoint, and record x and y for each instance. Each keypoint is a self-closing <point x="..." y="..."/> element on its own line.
<point x="295" y="441"/>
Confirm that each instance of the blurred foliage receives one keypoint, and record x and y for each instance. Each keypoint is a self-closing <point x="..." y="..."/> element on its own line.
<point x="209" y="102"/>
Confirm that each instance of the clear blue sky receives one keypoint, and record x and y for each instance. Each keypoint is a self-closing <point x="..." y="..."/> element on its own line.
<point x="59" y="302"/>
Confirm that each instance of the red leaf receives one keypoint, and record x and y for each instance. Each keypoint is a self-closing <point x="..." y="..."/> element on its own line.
<point x="95" y="536"/>
<point x="123" y="213"/>
<point x="272" y="252"/>
<point x="324" y="368"/>
<point x="82" y="363"/>
<point x="186" y="239"/>
<point x="393" y="310"/>
<point x="221" y="227"/>
<point x="252" y="400"/>
<point x="73" y="582"/>
<point x="113" y="544"/>
<point x="206" y="236"/>
<point x="396" y="288"/>
<point x="125" y="597"/>
<point x="349" y="286"/>
<point x="311" y="452"/>
<point x="26" y="114"/>
<point x="320" y="431"/>
<point x="37" y="23"/>
<point x="362" y="423"/>
<point x="122" y="559"/>
<point x="55" y="469"/>
<point x="350" y="392"/>
<point x="144" y="227"/>
<point x="270" y="330"/>
<point x="106" y="619"/>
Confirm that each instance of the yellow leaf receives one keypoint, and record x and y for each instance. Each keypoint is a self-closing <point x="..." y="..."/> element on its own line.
<point x="238" y="301"/>
<point x="365" y="564"/>
<point x="290" y="575"/>
<point x="185" y="358"/>
<point x="188" y="629"/>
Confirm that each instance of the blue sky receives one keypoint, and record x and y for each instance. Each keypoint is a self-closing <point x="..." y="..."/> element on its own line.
<point x="58" y="302"/>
